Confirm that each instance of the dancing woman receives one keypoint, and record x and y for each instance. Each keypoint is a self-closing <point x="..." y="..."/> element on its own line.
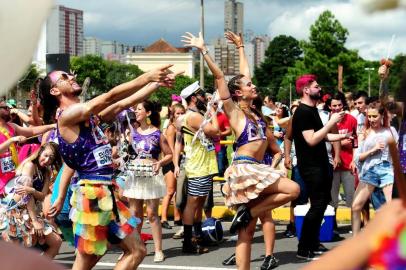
<point x="176" y="110"/>
<point x="31" y="185"/>
<point x="253" y="187"/>
<point x="145" y="183"/>
<point x="374" y="162"/>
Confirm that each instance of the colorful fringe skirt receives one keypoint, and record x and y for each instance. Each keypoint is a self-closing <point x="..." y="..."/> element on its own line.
<point x="246" y="179"/>
<point x="16" y="225"/>
<point x="97" y="217"/>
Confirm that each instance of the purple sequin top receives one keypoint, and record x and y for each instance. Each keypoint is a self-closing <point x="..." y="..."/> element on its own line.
<point x="90" y="154"/>
<point x="402" y="146"/>
<point x="252" y="132"/>
<point x="147" y="146"/>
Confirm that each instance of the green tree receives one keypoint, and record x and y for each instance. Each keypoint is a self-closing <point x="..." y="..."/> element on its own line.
<point x="25" y="83"/>
<point x="283" y="51"/>
<point x="118" y="73"/>
<point x="91" y="66"/>
<point x="163" y="94"/>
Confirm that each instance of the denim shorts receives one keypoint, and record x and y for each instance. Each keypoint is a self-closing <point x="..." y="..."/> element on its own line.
<point x="379" y="175"/>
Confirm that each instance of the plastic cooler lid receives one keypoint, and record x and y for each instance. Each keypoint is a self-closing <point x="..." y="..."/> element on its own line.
<point x="301" y="210"/>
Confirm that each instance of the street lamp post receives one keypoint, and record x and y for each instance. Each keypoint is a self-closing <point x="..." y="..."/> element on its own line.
<point x="201" y="55"/>
<point x="369" y="79"/>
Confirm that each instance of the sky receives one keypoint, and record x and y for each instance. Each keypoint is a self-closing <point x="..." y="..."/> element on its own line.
<point x="145" y="21"/>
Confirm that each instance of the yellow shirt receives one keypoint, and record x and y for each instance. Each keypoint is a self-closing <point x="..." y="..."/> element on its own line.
<point x="200" y="158"/>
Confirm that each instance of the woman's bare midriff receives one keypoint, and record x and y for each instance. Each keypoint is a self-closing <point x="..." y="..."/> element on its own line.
<point x="255" y="149"/>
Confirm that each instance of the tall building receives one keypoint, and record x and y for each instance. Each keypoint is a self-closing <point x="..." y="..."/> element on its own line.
<point x="64" y="31"/>
<point x="92" y="46"/>
<point x="260" y="44"/>
<point x="233" y="16"/>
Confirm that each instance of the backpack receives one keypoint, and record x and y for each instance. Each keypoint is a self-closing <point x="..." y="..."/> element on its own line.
<point x="212" y="230"/>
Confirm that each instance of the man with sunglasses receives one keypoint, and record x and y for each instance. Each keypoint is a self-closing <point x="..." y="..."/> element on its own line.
<point x="10" y="134"/>
<point x="86" y="150"/>
<point x="200" y="164"/>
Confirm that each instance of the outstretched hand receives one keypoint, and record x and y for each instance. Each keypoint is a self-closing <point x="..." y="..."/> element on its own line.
<point x="234" y="38"/>
<point x="169" y="80"/>
<point x="191" y="40"/>
<point x="158" y="74"/>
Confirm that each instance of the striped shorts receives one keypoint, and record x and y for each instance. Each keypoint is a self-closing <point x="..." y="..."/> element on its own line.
<point x="200" y="186"/>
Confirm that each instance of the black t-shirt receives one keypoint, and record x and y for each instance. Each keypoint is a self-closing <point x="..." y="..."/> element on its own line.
<point x="307" y="118"/>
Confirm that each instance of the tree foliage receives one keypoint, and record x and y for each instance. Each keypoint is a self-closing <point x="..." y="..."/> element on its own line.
<point x="283" y="51"/>
<point x="163" y="94"/>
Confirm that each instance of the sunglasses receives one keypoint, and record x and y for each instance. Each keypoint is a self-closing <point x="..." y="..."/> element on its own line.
<point x="64" y="77"/>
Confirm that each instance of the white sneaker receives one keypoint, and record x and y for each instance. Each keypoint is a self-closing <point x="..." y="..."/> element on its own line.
<point x="178" y="234"/>
<point x="159" y="256"/>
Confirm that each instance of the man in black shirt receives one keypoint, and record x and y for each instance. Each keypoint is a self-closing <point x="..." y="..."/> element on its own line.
<point x="309" y="136"/>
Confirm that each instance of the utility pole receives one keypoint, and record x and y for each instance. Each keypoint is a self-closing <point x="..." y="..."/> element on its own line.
<point x="201" y="55"/>
<point x="369" y="79"/>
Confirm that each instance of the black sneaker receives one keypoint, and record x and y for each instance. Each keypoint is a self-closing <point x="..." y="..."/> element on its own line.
<point x="241" y="219"/>
<point x="307" y="255"/>
<point x="320" y="249"/>
<point x="230" y="260"/>
<point x="270" y="262"/>
<point x="192" y="248"/>
<point x="178" y="223"/>
<point x="166" y="225"/>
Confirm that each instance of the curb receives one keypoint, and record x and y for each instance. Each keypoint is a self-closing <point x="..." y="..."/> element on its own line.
<point x="281" y="213"/>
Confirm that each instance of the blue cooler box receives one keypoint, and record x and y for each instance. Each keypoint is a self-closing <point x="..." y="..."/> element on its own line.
<point x="327" y="225"/>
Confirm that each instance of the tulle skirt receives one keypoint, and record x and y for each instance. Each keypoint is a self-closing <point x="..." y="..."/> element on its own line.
<point x="246" y="179"/>
<point x="144" y="187"/>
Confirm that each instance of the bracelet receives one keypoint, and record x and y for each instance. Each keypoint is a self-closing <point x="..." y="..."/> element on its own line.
<point x="240" y="46"/>
<point x="205" y="52"/>
<point x="226" y="98"/>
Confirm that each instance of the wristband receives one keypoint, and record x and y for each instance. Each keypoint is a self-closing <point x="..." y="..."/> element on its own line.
<point x="240" y="46"/>
<point x="205" y="52"/>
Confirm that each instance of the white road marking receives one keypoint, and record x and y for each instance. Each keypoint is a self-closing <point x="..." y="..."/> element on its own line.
<point x="154" y="266"/>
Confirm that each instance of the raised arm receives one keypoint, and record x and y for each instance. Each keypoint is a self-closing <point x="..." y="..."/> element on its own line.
<point x="312" y="138"/>
<point x="81" y="112"/>
<point x="32" y="131"/>
<point x="197" y="42"/>
<point x="238" y="41"/>
<point x="111" y="112"/>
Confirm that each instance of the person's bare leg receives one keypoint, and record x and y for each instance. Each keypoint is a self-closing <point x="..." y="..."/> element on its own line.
<point x="85" y="261"/>
<point x="54" y="243"/>
<point x="152" y="214"/>
<point x="268" y="228"/>
<point x="137" y="209"/>
<point x="170" y="191"/>
<point x="134" y="252"/>
<point x="361" y="195"/>
<point x="387" y="191"/>
<point x="243" y="247"/>
<point x="282" y="191"/>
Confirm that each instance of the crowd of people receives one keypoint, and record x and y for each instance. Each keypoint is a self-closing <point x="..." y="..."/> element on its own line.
<point x="84" y="171"/>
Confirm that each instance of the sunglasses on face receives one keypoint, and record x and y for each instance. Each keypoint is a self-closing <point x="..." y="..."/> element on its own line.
<point x="64" y="77"/>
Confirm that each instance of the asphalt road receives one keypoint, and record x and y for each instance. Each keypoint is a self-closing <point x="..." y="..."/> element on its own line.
<point x="285" y="251"/>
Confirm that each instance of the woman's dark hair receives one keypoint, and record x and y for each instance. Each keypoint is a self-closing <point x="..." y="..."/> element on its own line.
<point x="154" y="108"/>
<point x="285" y="109"/>
<point x="48" y="101"/>
<point x="257" y="103"/>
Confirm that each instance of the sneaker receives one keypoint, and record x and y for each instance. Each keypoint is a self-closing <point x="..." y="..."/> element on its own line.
<point x="241" y="219"/>
<point x="307" y="255"/>
<point x="166" y="225"/>
<point x="192" y="248"/>
<point x="290" y="231"/>
<point x="230" y="260"/>
<point x="159" y="256"/>
<point x="320" y="249"/>
<point x="178" y="234"/>
<point x="270" y="262"/>
<point x="177" y="222"/>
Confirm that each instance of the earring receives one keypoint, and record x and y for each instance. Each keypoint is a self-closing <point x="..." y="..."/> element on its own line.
<point x="148" y="121"/>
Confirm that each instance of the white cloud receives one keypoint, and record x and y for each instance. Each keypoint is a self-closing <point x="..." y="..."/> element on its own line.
<point x="370" y="34"/>
<point x="144" y="21"/>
